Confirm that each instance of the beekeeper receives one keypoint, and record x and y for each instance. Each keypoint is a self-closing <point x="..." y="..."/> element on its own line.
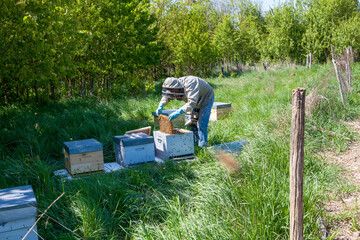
<point x="199" y="98"/>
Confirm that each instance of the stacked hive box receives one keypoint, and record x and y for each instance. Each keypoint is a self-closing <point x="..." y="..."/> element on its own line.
<point x="17" y="213"/>
<point x="174" y="145"/>
<point x="178" y="122"/>
<point x="134" y="149"/>
<point x="219" y="110"/>
<point x="83" y="156"/>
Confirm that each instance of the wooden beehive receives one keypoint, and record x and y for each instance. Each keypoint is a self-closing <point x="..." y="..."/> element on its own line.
<point x="17" y="213"/>
<point x="83" y="156"/>
<point x="134" y="149"/>
<point x="178" y="144"/>
<point x="219" y="110"/>
<point x="178" y="122"/>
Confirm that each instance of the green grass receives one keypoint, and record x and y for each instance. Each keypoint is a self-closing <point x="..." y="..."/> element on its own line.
<point x="197" y="200"/>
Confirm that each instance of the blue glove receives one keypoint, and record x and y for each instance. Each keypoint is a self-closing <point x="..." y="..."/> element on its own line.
<point x="159" y="110"/>
<point x="175" y="114"/>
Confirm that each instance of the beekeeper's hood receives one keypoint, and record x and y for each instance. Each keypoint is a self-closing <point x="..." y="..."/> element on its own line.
<point x="173" y="88"/>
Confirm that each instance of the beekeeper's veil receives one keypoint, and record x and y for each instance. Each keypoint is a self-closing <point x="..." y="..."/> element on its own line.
<point x="173" y="88"/>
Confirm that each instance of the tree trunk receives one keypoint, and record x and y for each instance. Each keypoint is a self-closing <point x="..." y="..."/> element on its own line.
<point x="36" y="93"/>
<point x="297" y="164"/>
<point x="52" y="90"/>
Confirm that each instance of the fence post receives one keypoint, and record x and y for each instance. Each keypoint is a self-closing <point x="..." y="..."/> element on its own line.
<point x="337" y="75"/>
<point x="297" y="164"/>
<point x="348" y="60"/>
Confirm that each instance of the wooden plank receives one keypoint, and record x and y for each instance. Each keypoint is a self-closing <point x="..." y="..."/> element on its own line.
<point x="146" y="130"/>
<point x="297" y="164"/>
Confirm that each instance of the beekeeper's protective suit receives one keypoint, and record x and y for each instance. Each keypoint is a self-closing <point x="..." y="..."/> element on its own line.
<point x="199" y="97"/>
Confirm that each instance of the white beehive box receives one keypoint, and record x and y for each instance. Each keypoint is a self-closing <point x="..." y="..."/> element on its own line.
<point x="174" y="145"/>
<point x="134" y="149"/>
<point x="83" y="156"/>
<point x="219" y="110"/>
<point x="17" y="213"/>
<point x="178" y="122"/>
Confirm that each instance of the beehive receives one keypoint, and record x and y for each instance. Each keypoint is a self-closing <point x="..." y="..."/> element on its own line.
<point x="167" y="146"/>
<point x="178" y="122"/>
<point x="83" y="156"/>
<point x="17" y="213"/>
<point x="134" y="149"/>
<point x="219" y="110"/>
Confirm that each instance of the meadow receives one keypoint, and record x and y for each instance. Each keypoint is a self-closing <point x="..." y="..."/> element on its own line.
<point x="188" y="200"/>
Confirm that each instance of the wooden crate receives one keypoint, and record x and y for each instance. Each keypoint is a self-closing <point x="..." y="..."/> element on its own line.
<point x="174" y="145"/>
<point x="17" y="213"/>
<point x="134" y="149"/>
<point x="178" y="122"/>
<point x="219" y="110"/>
<point x="83" y="156"/>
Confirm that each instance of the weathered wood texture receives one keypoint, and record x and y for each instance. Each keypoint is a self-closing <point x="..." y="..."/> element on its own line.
<point x="337" y="75"/>
<point x="146" y="130"/>
<point x="348" y="65"/>
<point x="297" y="164"/>
<point x="308" y="60"/>
<point x="165" y="125"/>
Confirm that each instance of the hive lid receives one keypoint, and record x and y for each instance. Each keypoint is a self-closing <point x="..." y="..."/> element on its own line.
<point x="218" y="105"/>
<point x="81" y="146"/>
<point x="166" y="112"/>
<point x="133" y="139"/>
<point x="17" y="197"/>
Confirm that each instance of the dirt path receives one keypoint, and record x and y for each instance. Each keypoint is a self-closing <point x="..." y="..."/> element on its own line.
<point x="344" y="211"/>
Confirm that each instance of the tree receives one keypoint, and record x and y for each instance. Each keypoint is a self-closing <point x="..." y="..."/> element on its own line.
<point x="284" y="33"/>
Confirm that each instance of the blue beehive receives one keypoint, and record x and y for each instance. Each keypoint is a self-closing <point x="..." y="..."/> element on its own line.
<point x="83" y="156"/>
<point x="17" y="213"/>
<point x="134" y="149"/>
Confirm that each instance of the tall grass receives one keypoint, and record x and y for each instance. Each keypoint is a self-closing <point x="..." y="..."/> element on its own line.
<point x="196" y="200"/>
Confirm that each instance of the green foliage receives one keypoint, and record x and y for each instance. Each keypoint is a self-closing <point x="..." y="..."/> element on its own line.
<point x="237" y="35"/>
<point x="75" y="47"/>
<point x="322" y="19"/>
<point x="186" y="33"/>
<point x="285" y="30"/>
<point x="347" y="34"/>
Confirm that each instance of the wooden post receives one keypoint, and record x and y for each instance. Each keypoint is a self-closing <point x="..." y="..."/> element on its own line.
<point x="297" y="164"/>
<point x="310" y="61"/>
<point x="348" y="73"/>
<point x="337" y="74"/>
